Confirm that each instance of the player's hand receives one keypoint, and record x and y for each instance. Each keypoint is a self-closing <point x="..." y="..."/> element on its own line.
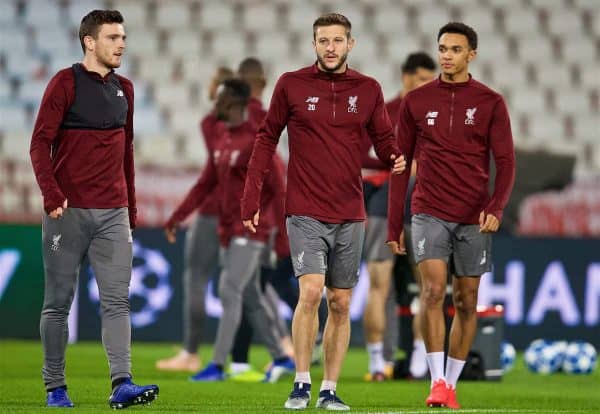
<point x="56" y="213"/>
<point x="251" y="225"/>
<point x="488" y="223"/>
<point x="399" y="164"/>
<point x="398" y="247"/>
<point x="170" y="233"/>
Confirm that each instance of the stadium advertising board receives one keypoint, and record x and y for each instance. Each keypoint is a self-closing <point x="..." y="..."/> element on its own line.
<point x="550" y="288"/>
<point x="21" y="281"/>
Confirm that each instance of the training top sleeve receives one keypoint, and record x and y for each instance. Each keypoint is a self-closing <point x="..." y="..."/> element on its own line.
<point x="503" y="151"/>
<point x="380" y="130"/>
<point x="57" y="98"/>
<point x="265" y="144"/>
<point x="399" y="182"/>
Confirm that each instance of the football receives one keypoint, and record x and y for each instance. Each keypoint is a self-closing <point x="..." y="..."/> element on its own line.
<point x="580" y="358"/>
<point x="543" y="357"/>
<point x="507" y="356"/>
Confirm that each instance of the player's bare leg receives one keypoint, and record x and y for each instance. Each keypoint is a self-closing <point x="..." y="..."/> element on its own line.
<point x="418" y="363"/>
<point x="374" y="317"/>
<point x="462" y="332"/>
<point x="380" y="281"/>
<point x="464" y="325"/>
<point x="305" y="326"/>
<point x="335" y="344"/>
<point x="305" y="323"/>
<point x="337" y="332"/>
<point x="433" y="290"/>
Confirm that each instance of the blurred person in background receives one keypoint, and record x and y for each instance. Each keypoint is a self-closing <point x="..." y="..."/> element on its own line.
<point x="251" y="71"/>
<point x="326" y="108"/>
<point x="277" y="272"/>
<point x="453" y="123"/>
<point x="239" y="284"/>
<point x="380" y="318"/>
<point x="201" y="254"/>
<point x="82" y="156"/>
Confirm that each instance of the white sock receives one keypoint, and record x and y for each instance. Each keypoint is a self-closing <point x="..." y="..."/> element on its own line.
<point x="418" y="363"/>
<point x="376" y="361"/>
<point x="435" y="360"/>
<point x="328" y="385"/>
<point x="453" y="369"/>
<point x="185" y="354"/>
<point x="238" y="367"/>
<point x="303" y="377"/>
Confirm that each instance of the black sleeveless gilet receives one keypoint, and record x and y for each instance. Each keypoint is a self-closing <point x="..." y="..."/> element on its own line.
<point x="98" y="104"/>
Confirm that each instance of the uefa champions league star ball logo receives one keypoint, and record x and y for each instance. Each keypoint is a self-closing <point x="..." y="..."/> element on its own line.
<point x="149" y="292"/>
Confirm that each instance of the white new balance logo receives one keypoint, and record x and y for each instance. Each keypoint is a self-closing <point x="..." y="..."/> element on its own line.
<point x="431" y="115"/>
<point x="120" y="93"/>
<point x="483" y="259"/>
<point x="312" y="103"/>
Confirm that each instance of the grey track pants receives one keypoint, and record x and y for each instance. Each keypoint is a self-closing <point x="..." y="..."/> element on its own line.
<point x="201" y="258"/>
<point x="391" y="334"/>
<point x="272" y="301"/>
<point x="104" y="236"/>
<point x="240" y="287"/>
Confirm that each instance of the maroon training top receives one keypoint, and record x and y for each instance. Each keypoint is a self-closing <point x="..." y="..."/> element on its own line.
<point x="393" y="108"/>
<point x="226" y="170"/>
<point x="90" y="167"/>
<point x="209" y="205"/>
<point x="326" y="115"/>
<point x="371" y="163"/>
<point x="453" y="126"/>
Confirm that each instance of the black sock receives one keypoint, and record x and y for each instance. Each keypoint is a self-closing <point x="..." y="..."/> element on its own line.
<point x="55" y="388"/>
<point x="118" y="381"/>
<point x="281" y="360"/>
<point x="219" y="367"/>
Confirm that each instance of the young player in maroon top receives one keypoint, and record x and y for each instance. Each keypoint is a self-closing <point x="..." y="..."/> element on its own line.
<point x="327" y="108"/>
<point x="82" y="156"/>
<point x="201" y="254"/>
<point x="251" y="71"/>
<point x="380" y="320"/>
<point x="239" y="284"/>
<point x="453" y="123"/>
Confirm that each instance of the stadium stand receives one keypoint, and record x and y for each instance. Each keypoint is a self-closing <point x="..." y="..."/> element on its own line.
<point x="541" y="54"/>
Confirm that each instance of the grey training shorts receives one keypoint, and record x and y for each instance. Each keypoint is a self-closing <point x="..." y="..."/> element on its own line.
<point x="468" y="251"/>
<point x="329" y="249"/>
<point x="376" y="249"/>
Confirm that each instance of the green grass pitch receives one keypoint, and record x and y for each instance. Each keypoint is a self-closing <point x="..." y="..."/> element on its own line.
<point x="520" y="391"/>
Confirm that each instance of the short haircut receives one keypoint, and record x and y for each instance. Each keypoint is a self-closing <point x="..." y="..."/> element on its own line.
<point x="418" y="60"/>
<point x="223" y="73"/>
<point x="460" y="28"/>
<point x="251" y="69"/>
<point x="91" y="22"/>
<point x="237" y="89"/>
<point x="332" y="19"/>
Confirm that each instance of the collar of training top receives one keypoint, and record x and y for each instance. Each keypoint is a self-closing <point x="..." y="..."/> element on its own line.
<point x="444" y="84"/>
<point x="95" y="75"/>
<point x="329" y="75"/>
